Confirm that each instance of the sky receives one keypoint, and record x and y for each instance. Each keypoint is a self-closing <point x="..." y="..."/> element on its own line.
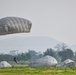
<point x="52" y="18"/>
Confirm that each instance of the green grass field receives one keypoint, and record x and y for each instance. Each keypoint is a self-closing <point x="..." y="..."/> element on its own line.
<point x="38" y="71"/>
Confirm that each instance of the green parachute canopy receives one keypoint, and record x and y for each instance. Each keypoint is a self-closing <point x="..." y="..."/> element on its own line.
<point x="10" y="25"/>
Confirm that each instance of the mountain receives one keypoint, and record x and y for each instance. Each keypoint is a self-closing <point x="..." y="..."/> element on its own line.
<point x="23" y="44"/>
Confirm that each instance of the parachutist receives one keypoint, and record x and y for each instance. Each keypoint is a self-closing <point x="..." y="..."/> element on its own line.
<point x="15" y="59"/>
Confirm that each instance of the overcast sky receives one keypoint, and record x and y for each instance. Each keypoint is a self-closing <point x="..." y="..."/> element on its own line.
<point x="52" y="18"/>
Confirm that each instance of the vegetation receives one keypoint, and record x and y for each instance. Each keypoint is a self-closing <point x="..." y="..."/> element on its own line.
<point x="6" y="57"/>
<point x="61" y="53"/>
<point x="66" y="54"/>
<point x="38" y="71"/>
<point x="50" y="52"/>
<point x="74" y="57"/>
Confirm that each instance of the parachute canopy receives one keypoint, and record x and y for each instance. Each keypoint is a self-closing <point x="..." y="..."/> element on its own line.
<point x="4" y="64"/>
<point x="9" y="25"/>
<point x="44" y="61"/>
<point x="67" y="62"/>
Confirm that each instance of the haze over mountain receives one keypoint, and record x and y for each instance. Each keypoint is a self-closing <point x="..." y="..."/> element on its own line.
<point x="73" y="47"/>
<point x="25" y="43"/>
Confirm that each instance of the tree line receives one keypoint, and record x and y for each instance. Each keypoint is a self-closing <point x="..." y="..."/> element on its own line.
<point x="61" y="53"/>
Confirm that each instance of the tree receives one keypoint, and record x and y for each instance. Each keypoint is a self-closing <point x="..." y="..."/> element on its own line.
<point x="23" y="56"/>
<point x="6" y="57"/>
<point x="58" y="47"/>
<point x="33" y="54"/>
<point x="66" y="54"/>
<point x="50" y="52"/>
<point x="61" y="46"/>
<point x="74" y="58"/>
<point x="30" y="55"/>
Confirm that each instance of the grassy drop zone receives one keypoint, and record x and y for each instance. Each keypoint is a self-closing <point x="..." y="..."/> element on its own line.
<point x="38" y="71"/>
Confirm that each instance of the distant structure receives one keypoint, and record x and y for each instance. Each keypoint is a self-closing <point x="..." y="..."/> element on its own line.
<point x="14" y="52"/>
<point x="44" y="61"/>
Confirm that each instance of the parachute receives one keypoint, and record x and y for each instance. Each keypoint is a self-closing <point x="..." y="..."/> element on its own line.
<point x="10" y="25"/>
